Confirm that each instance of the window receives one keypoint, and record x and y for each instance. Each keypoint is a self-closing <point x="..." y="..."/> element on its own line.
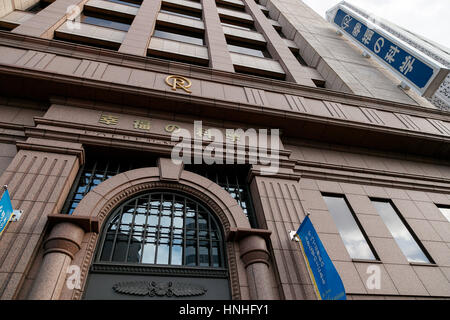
<point x="38" y="7"/>
<point x="179" y="35"/>
<point x="401" y="232"/>
<point x="99" y="168"/>
<point x="355" y="241"/>
<point x="237" y="24"/>
<point x="230" y="5"/>
<point x="163" y="228"/>
<point x="136" y="4"/>
<point x="106" y="22"/>
<point x="299" y="58"/>
<point x="445" y="211"/>
<point x="232" y="178"/>
<point x="249" y="49"/>
<point x="197" y="15"/>
<point x="319" y="83"/>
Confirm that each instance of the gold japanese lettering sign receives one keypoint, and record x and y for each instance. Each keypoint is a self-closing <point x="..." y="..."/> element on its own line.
<point x="108" y="119"/>
<point x="179" y="82"/>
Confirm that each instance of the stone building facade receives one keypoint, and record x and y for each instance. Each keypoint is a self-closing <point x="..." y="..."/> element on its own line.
<point x="87" y="111"/>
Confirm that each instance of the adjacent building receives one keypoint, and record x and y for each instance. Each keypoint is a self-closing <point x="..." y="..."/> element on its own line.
<point x="92" y="93"/>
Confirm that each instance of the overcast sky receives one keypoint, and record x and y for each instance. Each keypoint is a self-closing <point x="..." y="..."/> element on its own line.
<point x="429" y="18"/>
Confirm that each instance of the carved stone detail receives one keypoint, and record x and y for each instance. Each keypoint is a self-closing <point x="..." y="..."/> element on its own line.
<point x="159" y="289"/>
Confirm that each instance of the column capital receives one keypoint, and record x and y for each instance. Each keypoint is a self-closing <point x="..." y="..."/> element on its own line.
<point x="64" y="238"/>
<point x="252" y="245"/>
<point x="53" y="146"/>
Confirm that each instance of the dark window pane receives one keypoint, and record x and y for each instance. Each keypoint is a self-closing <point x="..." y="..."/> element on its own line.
<point x="349" y="230"/>
<point x="246" y="50"/>
<point x="128" y="3"/>
<point x="400" y="232"/>
<point x="104" y="22"/>
<point x="178" y="36"/>
<point x="182" y="13"/>
<point x="38" y="7"/>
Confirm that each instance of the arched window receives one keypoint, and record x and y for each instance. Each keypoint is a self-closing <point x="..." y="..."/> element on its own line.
<point x="162" y="228"/>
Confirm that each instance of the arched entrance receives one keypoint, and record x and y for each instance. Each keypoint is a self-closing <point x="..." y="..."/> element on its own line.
<point x="74" y="240"/>
<point x="160" y="244"/>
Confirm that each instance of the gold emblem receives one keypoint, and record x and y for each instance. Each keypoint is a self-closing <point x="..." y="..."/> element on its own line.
<point x="108" y="119"/>
<point x="141" y="124"/>
<point x="179" y="82"/>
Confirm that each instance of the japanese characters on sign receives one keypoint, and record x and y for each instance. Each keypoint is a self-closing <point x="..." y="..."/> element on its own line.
<point x="411" y="66"/>
<point x="145" y="125"/>
<point x="326" y="279"/>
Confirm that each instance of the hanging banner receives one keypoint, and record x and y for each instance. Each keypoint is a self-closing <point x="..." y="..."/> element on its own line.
<point x="6" y="211"/>
<point x="326" y="279"/>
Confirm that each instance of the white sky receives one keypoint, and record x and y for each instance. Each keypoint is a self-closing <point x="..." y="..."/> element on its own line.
<point x="429" y="18"/>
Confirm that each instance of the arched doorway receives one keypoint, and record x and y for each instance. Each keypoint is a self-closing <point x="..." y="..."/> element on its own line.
<point x="160" y="244"/>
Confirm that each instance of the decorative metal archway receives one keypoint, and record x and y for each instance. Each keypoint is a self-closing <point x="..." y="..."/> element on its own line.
<point x="153" y="241"/>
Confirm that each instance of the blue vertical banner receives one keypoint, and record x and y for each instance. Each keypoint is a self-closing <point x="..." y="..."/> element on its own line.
<point x="326" y="279"/>
<point x="6" y="210"/>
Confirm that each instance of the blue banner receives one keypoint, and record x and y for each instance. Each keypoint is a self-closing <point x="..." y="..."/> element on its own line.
<point x="326" y="279"/>
<point x="408" y="65"/>
<point x="6" y="210"/>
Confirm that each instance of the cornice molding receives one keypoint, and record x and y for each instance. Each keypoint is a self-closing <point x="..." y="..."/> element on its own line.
<point x="374" y="177"/>
<point x="266" y="111"/>
<point x="34" y="146"/>
<point x="146" y="63"/>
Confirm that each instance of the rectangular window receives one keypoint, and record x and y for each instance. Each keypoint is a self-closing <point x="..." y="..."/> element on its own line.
<point x="98" y="20"/>
<point x="38" y="7"/>
<point x="136" y="4"/>
<point x="349" y="228"/>
<point x="445" y="211"/>
<point x="178" y="35"/>
<point x="197" y="15"/>
<point x="401" y="232"/>
<point x="249" y="49"/>
<point x="230" y="6"/>
<point x="237" y="24"/>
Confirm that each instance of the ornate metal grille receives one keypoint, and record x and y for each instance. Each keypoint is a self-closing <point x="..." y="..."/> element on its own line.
<point x="94" y="172"/>
<point x="162" y="228"/>
<point x="232" y="178"/>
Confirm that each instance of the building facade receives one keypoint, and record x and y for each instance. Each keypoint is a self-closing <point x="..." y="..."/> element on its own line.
<point x="92" y="93"/>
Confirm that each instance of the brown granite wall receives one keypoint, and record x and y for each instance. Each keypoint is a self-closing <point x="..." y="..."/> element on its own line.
<point x="38" y="180"/>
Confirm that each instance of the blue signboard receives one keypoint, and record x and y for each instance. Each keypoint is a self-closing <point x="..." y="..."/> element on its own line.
<point x="410" y="66"/>
<point x="6" y="210"/>
<point x="326" y="279"/>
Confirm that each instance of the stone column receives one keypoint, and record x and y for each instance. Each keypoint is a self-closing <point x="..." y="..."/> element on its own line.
<point x="60" y="247"/>
<point x="138" y="36"/>
<point x="278" y="48"/>
<point x="219" y="56"/>
<point x="255" y="256"/>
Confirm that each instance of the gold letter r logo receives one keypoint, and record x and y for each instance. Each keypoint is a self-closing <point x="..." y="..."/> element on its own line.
<point x="179" y="82"/>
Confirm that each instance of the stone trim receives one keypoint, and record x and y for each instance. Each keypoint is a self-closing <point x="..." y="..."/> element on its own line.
<point x="46" y="145"/>
<point x="88" y="224"/>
